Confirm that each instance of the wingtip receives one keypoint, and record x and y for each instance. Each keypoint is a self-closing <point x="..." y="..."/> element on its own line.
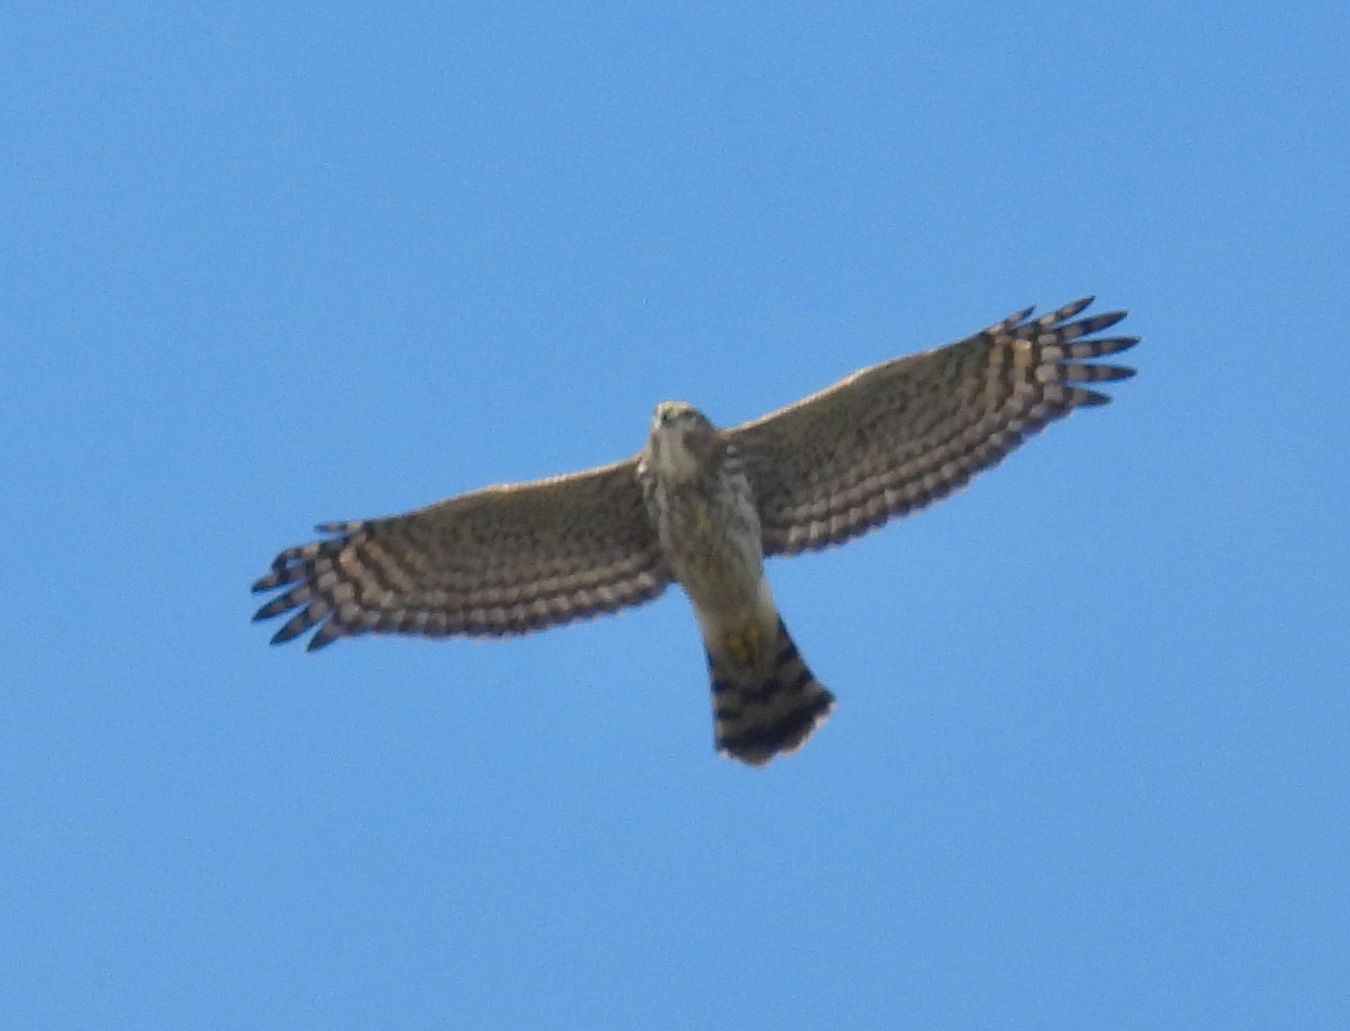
<point x="1071" y="309"/>
<point x="1109" y="318"/>
<point x="293" y="627"/>
<point x="323" y="637"/>
<point x="1084" y="398"/>
<point x="343" y="526"/>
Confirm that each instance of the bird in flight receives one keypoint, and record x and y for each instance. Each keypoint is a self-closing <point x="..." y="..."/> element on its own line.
<point x="705" y="506"/>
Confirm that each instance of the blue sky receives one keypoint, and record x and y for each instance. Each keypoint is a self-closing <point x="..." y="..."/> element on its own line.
<point x="265" y="265"/>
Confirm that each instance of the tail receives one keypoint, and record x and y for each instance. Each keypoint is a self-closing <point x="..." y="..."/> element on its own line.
<point x="769" y="702"/>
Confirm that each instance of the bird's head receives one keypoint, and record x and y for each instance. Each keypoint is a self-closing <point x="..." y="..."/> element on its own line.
<point x="683" y="441"/>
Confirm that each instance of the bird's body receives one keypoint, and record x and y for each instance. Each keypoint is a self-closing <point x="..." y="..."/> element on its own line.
<point x="704" y="506"/>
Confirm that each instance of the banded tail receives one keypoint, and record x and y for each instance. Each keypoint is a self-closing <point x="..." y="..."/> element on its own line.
<point x="765" y="700"/>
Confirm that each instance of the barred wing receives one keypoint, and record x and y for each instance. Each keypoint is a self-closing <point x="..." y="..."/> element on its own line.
<point x="502" y="560"/>
<point x="896" y="436"/>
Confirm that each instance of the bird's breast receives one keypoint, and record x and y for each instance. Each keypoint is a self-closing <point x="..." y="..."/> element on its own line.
<point x="711" y="540"/>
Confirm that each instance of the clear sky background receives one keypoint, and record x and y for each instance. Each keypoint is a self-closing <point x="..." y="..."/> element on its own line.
<point x="263" y="265"/>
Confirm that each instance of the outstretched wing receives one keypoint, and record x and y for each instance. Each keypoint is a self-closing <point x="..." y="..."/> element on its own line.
<point x="502" y="560"/>
<point x="895" y="436"/>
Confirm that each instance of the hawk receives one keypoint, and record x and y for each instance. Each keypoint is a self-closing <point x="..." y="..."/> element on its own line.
<point x="705" y="506"/>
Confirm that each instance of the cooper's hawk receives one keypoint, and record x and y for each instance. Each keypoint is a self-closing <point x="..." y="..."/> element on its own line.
<point x="705" y="506"/>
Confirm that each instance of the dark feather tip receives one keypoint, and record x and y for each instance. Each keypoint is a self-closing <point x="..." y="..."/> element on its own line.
<point x="1074" y="307"/>
<point x="1106" y="319"/>
<point x="1089" y="398"/>
<point x="1115" y="372"/>
<point x="270" y="610"/>
<point x="323" y="637"/>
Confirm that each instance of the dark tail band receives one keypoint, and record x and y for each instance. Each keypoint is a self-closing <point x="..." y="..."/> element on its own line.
<point x="757" y="715"/>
